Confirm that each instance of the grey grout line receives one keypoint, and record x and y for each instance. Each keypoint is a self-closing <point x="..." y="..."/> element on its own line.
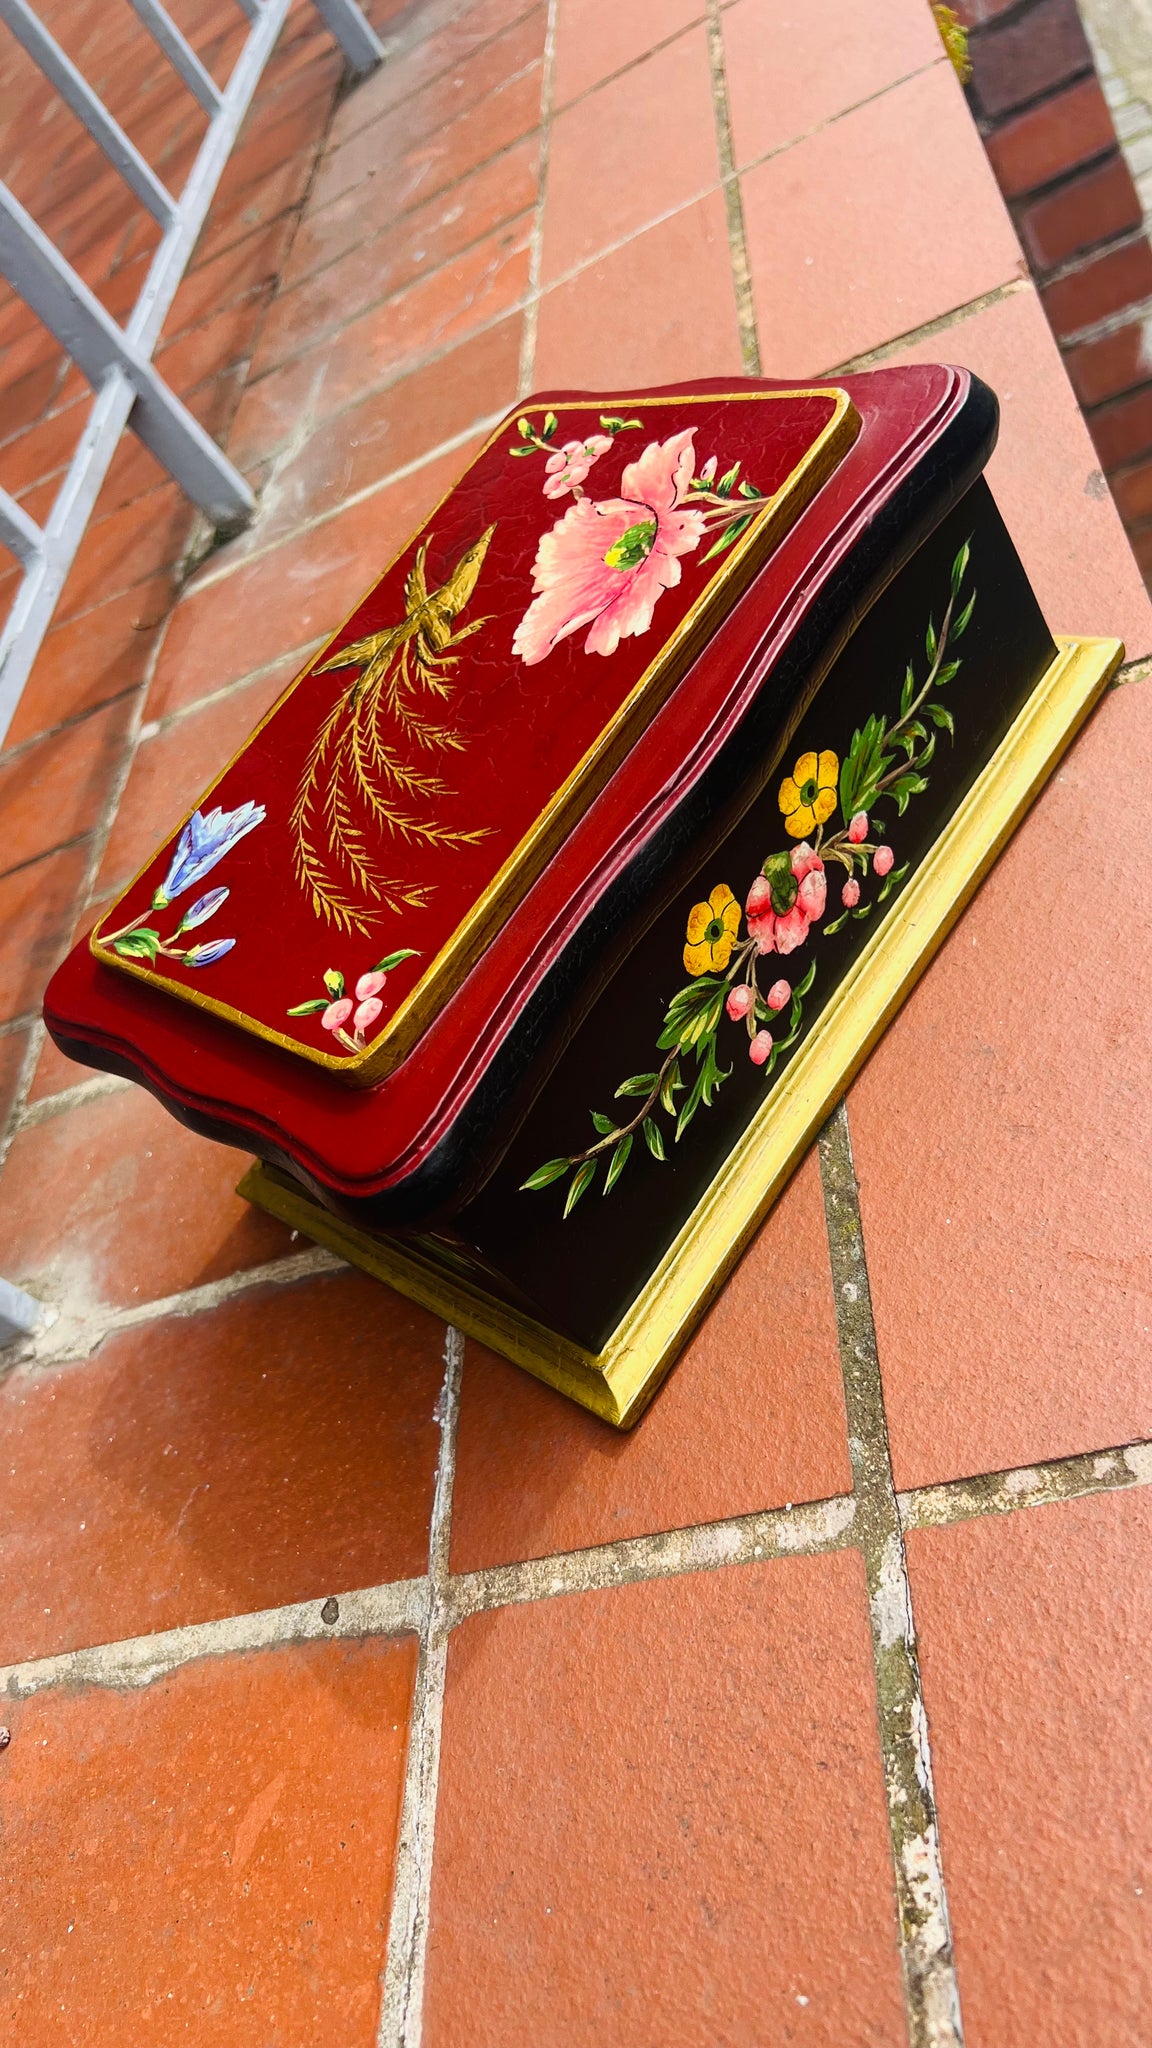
<point x="733" y="196"/>
<point x="47" y="1106"/>
<point x="74" y="1334"/>
<point x="536" y="253"/>
<point x="931" y="1994"/>
<point x="805" y="1529"/>
<point x="931" y="328"/>
<point x="402" y="2001"/>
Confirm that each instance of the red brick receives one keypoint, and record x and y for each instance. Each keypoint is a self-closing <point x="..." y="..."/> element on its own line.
<point x="1093" y="207"/>
<point x="37" y="908"/>
<point x="660" y="1821"/>
<point x="1142" y="549"/>
<point x="1109" y="367"/>
<point x="278" y="1448"/>
<point x="207" y="1858"/>
<point x="13" y="1047"/>
<point x="1054" y="137"/>
<point x="54" y="790"/>
<point x="88" y="660"/>
<point x="1132" y="490"/>
<point x="1106" y="284"/>
<point x="1123" y="431"/>
<point x="1035" y="1635"/>
<point x="1015" y="61"/>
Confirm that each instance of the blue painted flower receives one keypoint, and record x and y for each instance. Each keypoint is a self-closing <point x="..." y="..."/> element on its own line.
<point x="203" y="908"/>
<point x="203" y="956"/>
<point x="203" y="842"/>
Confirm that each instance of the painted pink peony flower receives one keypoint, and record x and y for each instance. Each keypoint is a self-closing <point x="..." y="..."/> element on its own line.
<point x="336" y="1013"/>
<point x="739" y="1002"/>
<point x="568" y="466"/>
<point x="778" y="995"/>
<point x="760" y="1048"/>
<point x="367" y="1013"/>
<point x="883" y="859"/>
<point x="858" y="829"/>
<point x="605" y="563"/>
<point x="370" y="985"/>
<point x="850" y="894"/>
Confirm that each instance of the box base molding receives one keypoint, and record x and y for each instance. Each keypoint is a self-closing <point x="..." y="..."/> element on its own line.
<point x="618" y="1382"/>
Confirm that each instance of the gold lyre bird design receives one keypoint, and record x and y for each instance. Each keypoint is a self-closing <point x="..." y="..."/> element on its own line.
<point x="355" y="780"/>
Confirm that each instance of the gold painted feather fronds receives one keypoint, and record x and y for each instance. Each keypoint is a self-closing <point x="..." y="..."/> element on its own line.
<point x="358" y="787"/>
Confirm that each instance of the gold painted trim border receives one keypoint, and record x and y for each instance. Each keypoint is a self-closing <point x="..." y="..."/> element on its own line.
<point x="512" y="880"/>
<point x="618" y="1383"/>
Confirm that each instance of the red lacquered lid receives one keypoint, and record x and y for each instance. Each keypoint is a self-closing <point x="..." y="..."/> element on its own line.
<point x="557" y="663"/>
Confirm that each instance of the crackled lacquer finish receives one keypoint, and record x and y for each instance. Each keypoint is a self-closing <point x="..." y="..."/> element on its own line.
<point x="392" y="808"/>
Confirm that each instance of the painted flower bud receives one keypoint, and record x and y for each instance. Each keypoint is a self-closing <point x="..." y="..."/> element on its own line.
<point x="367" y="1013"/>
<point x="759" y="901"/>
<point x="740" y="1000"/>
<point x="203" y="908"/>
<point x="850" y="893"/>
<point x="370" y="985"/>
<point x="760" y="1048"/>
<point x="203" y="956"/>
<point x="779" y="993"/>
<point x="709" y="470"/>
<point x="336" y="1013"/>
<point x="858" y="829"/>
<point x="883" y="860"/>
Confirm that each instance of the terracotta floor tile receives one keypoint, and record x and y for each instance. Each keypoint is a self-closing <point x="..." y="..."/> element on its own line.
<point x="596" y="38"/>
<point x="294" y="594"/>
<point x="183" y="1872"/>
<point x="250" y="208"/>
<point x="13" y="1047"/>
<point x="362" y="266"/>
<point x="1046" y="474"/>
<point x="114" y="1201"/>
<point x="278" y="1448"/>
<point x="41" y="449"/>
<point x="1035" y="1634"/>
<point x="478" y="287"/>
<point x="461" y="42"/>
<point x="431" y="163"/>
<point x="53" y="1071"/>
<point x="37" y="907"/>
<point x="254" y="260"/>
<point x="751" y="1417"/>
<point x="791" y="67"/>
<point x="845" y="257"/>
<point x="691" y="1846"/>
<point x="392" y="428"/>
<point x="661" y="308"/>
<point x="226" y="338"/>
<point x="1005" y="1197"/>
<point x="272" y="408"/>
<point x="91" y="659"/>
<point x="172" y="768"/>
<point x="360" y="145"/>
<point x="658" y="114"/>
<point x="55" y="789"/>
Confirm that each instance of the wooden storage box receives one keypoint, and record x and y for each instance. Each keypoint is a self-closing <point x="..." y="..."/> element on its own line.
<point x="536" y="928"/>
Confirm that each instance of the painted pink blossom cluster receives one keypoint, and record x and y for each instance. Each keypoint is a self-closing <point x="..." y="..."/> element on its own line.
<point x="367" y="1006"/>
<point x="782" y="933"/>
<point x="567" y="466"/>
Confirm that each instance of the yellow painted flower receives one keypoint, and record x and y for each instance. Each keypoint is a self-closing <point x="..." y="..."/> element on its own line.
<point x="712" y="930"/>
<point x="808" y="795"/>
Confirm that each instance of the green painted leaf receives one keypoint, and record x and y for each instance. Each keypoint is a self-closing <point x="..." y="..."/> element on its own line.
<point x="309" y="1009"/>
<point x="802" y="987"/>
<point x="959" y="566"/>
<point x="580" y="1181"/>
<point x="523" y="427"/>
<point x="527" y="449"/>
<point x="836" y="924"/>
<point x="143" y="944"/>
<point x="729" y="534"/>
<point x="748" y="490"/>
<point x="392" y="960"/>
<point x="892" y="881"/>
<point x="727" y="482"/>
<point x="965" y="615"/>
<point x="668" y="1087"/>
<point x="909" y="689"/>
<point x="941" y="716"/>
<point x="618" y="1162"/>
<point x="544" y="1175"/>
<point x="865" y="910"/>
<point x="777" y="872"/>
<point x="640" y="1084"/>
<point x="550" y="425"/>
<point x="655" y="1138"/>
<point x="604" y="1124"/>
<point x="930" y="641"/>
<point x="948" y="671"/>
